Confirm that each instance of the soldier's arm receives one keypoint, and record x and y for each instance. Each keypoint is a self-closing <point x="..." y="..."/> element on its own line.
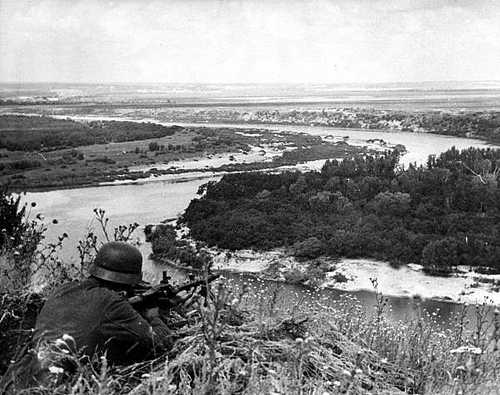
<point x="129" y="337"/>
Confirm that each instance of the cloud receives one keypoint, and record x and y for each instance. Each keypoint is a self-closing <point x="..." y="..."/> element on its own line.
<point x="249" y="41"/>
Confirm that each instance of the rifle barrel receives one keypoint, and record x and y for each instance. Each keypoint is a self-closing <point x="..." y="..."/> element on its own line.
<point x="158" y="288"/>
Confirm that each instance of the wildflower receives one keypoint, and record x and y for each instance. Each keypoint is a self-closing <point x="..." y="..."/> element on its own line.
<point x="345" y="372"/>
<point x="383" y="360"/>
<point x="336" y="383"/>
<point x="358" y="371"/>
<point x="67" y="337"/>
<point x="299" y="340"/>
<point x="56" y="370"/>
<point x="60" y="343"/>
<point x="172" y="387"/>
<point x="466" y="349"/>
<point x="145" y="376"/>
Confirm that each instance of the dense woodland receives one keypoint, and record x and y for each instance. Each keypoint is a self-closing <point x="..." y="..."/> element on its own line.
<point x="441" y="215"/>
<point x="25" y="133"/>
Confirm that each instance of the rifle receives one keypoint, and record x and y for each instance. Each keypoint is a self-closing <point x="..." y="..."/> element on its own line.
<point x="165" y="296"/>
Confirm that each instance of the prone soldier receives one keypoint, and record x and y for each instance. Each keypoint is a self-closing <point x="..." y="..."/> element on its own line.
<point x="96" y="312"/>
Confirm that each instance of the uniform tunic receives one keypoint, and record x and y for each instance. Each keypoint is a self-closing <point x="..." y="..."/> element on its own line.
<point x="99" y="320"/>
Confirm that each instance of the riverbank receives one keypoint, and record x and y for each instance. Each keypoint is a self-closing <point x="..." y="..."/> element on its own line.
<point x="481" y="124"/>
<point x="353" y="275"/>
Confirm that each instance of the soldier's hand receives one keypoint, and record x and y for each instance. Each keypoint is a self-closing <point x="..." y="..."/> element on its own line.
<point x="152" y="313"/>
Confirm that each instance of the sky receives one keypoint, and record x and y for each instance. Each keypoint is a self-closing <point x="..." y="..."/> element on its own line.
<point x="249" y="41"/>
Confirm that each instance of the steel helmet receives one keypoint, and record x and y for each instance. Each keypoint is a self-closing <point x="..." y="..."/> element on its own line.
<point x="118" y="262"/>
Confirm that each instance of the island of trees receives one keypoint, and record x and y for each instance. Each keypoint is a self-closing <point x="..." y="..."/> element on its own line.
<point x="441" y="215"/>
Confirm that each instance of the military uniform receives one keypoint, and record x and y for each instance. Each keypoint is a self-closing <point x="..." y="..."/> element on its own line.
<point x="100" y="319"/>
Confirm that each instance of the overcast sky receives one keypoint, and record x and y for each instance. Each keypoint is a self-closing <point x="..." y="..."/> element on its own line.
<point x="322" y="41"/>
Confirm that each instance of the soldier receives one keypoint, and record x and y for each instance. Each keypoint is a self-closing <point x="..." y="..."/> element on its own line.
<point x="91" y="317"/>
<point x="96" y="314"/>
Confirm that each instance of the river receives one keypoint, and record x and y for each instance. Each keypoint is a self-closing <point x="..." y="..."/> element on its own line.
<point x="418" y="145"/>
<point x="154" y="200"/>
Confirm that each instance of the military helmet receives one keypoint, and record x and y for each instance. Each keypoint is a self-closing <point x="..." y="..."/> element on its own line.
<point x="118" y="262"/>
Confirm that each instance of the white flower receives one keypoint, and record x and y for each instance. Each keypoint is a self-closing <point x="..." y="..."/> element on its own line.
<point x="466" y="349"/>
<point x="172" y="387"/>
<point x="383" y="360"/>
<point x="67" y="337"/>
<point x="56" y="370"/>
<point x="299" y="340"/>
<point x="145" y="376"/>
<point x="336" y="383"/>
<point x="359" y="371"/>
<point x="345" y="372"/>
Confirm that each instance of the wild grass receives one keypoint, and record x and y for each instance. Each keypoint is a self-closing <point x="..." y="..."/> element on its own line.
<point x="242" y="338"/>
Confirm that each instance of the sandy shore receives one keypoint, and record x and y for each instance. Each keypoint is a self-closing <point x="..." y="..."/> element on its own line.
<point x="406" y="281"/>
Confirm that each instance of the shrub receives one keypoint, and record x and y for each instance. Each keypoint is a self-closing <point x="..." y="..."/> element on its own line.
<point x="309" y="248"/>
<point x="439" y="257"/>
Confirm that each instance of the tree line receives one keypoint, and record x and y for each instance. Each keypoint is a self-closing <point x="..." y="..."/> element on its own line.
<point x="25" y="133"/>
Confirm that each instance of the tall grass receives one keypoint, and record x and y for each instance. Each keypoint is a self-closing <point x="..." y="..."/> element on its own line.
<point x="241" y="339"/>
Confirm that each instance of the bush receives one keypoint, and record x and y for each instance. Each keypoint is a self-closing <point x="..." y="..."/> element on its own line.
<point x="309" y="248"/>
<point x="153" y="146"/>
<point x="439" y="257"/>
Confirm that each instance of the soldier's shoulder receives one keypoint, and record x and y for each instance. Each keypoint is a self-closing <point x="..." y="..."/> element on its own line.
<point x="65" y="288"/>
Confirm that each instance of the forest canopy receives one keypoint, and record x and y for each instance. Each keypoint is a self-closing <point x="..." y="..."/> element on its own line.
<point x="441" y="215"/>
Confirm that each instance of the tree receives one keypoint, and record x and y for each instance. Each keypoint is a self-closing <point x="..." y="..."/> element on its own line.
<point x="153" y="146"/>
<point x="439" y="256"/>
<point x="389" y="203"/>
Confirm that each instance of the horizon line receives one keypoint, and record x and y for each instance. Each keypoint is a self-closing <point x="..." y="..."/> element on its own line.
<point x="244" y="83"/>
